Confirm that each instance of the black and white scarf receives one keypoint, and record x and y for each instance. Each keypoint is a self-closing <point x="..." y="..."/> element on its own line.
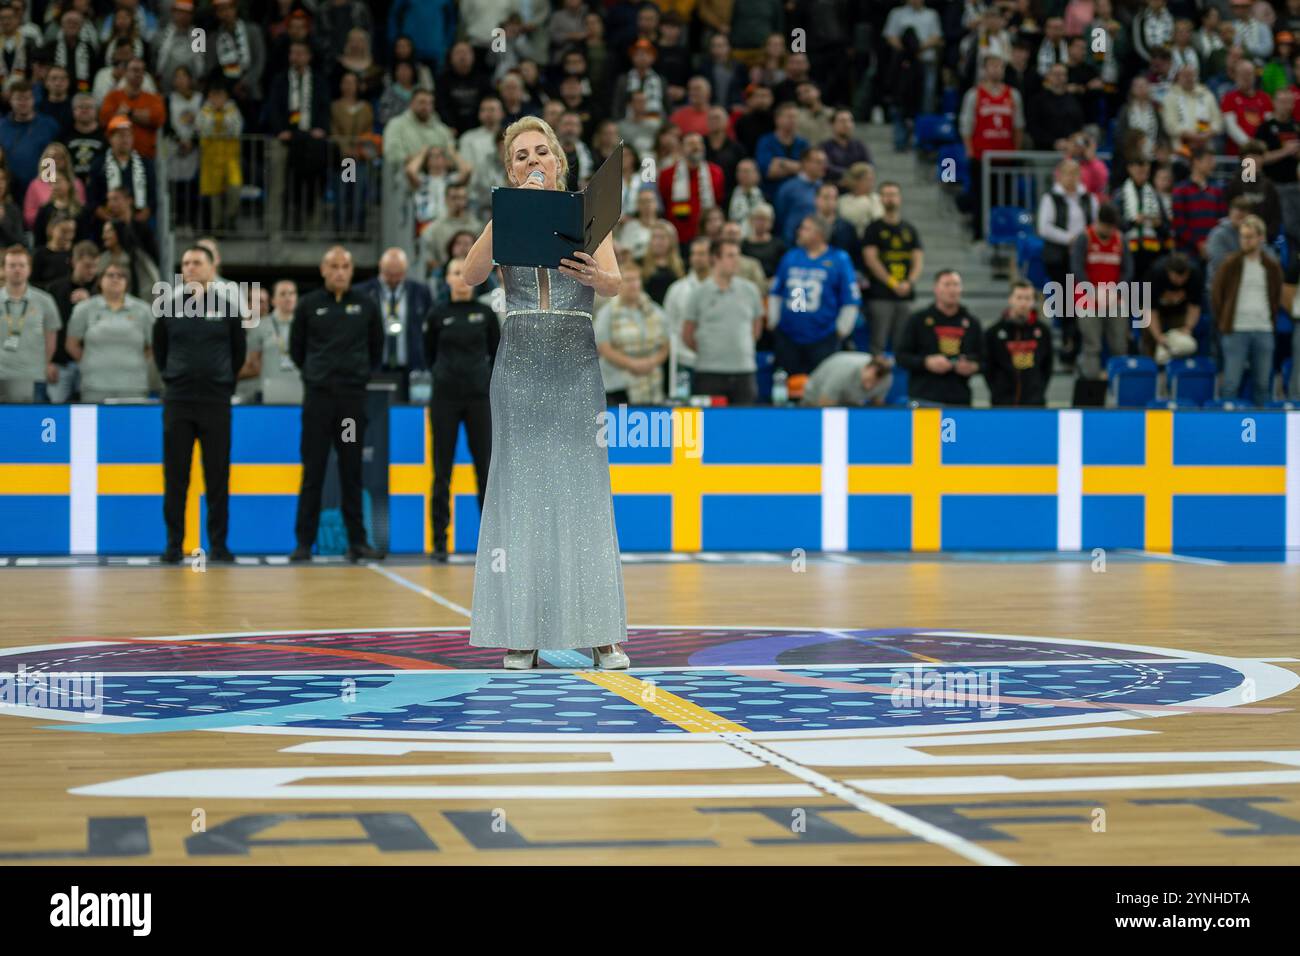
<point x="1142" y="116"/>
<point x="653" y="86"/>
<point x="139" y="178"/>
<point x="233" y="52"/>
<point x="80" y="69"/>
<point x="1137" y="201"/>
<point x="13" y="62"/>
<point x="1049" y="56"/>
<point x="300" y="97"/>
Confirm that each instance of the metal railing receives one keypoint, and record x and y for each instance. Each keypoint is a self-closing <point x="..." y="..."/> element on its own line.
<point x="1021" y="177"/>
<point x="288" y="192"/>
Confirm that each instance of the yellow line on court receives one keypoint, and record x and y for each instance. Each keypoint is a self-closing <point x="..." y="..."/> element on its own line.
<point x="674" y="709"/>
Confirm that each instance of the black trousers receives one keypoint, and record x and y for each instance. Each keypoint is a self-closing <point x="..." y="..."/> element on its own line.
<point x="209" y="423"/>
<point x="336" y="418"/>
<point x="739" y="388"/>
<point x="445" y="415"/>
<point x="1058" y="272"/>
<point x="800" y="358"/>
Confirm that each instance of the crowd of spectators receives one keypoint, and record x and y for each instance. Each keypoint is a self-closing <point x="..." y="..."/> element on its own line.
<point x="750" y="201"/>
<point x="1181" y="116"/>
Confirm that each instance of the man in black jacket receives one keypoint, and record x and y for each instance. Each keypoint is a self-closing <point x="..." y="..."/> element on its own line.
<point x="941" y="347"/>
<point x="336" y="339"/>
<point x="298" y="114"/>
<point x="1018" y="352"/>
<point x="198" y="346"/>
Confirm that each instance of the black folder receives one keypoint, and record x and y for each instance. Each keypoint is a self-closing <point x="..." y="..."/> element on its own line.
<point x="539" y="227"/>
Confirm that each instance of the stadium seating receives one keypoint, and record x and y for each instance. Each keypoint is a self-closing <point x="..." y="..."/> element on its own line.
<point x="1191" y="380"/>
<point x="934" y="130"/>
<point x="1132" y="380"/>
<point x="1007" y="224"/>
<point x="1029" y="260"/>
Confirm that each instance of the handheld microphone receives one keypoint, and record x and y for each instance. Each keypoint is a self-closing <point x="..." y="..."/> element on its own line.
<point x="537" y="176"/>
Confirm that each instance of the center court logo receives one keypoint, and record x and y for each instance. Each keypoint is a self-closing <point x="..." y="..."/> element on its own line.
<point x="700" y="699"/>
<point x="686" y="680"/>
<point x="75" y="909"/>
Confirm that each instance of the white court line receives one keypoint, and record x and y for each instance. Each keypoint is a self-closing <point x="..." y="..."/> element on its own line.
<point x="432" y="596"/>
<point x="882" y="811"/>
<point x="1176" y="558"/>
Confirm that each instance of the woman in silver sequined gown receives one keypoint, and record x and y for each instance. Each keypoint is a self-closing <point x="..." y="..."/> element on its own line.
<point x="547" y="574"/>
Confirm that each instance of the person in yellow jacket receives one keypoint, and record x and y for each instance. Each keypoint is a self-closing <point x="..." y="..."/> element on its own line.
<point x="219" y="125"/>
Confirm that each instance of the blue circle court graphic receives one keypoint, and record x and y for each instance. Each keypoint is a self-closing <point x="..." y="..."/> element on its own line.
<point x="429" y="682"/>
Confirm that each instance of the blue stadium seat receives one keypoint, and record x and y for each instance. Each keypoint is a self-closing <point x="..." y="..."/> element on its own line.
<point x="1288" y="405"/>
<point x="1029" y="260"/>
<point x="935" y="129"/>
<point x="1227" y="404"/>
<point x="949" y="102"/>
<point x="1132" y="380"/>
<point x="1007" y="224"/>
<point x="1191" y="380"/>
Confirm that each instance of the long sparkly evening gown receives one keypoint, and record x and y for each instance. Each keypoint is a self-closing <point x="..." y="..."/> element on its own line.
<point x="547" y="574"/>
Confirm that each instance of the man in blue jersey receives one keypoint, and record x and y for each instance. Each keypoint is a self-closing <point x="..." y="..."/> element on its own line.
<point x="814" y="301"/>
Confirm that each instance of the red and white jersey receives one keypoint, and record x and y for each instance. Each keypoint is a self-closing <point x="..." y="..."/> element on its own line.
<point x="995" y="121"/>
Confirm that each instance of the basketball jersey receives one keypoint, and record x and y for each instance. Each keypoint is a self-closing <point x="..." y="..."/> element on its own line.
<point x="995" y="121"/>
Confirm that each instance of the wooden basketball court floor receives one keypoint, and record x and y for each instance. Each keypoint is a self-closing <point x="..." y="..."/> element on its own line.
<point x="1141" y="714"/>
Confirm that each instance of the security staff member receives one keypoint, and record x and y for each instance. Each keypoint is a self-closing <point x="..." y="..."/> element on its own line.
<point x="198" y="345"/>
<point x="460" y="338"/>
<point x="336" y="339"/>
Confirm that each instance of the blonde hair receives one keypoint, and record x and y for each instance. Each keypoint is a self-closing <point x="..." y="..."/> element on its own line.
<point x="1256" y="225"/>
<point x="534" y="124"/>
<point x="674" y="257"/>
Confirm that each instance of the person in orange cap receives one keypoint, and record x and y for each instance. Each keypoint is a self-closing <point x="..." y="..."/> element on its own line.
<point x="123" y="168"/>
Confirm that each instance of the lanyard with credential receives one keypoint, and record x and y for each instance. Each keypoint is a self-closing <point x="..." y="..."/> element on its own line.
<point x="15" y="329"/>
